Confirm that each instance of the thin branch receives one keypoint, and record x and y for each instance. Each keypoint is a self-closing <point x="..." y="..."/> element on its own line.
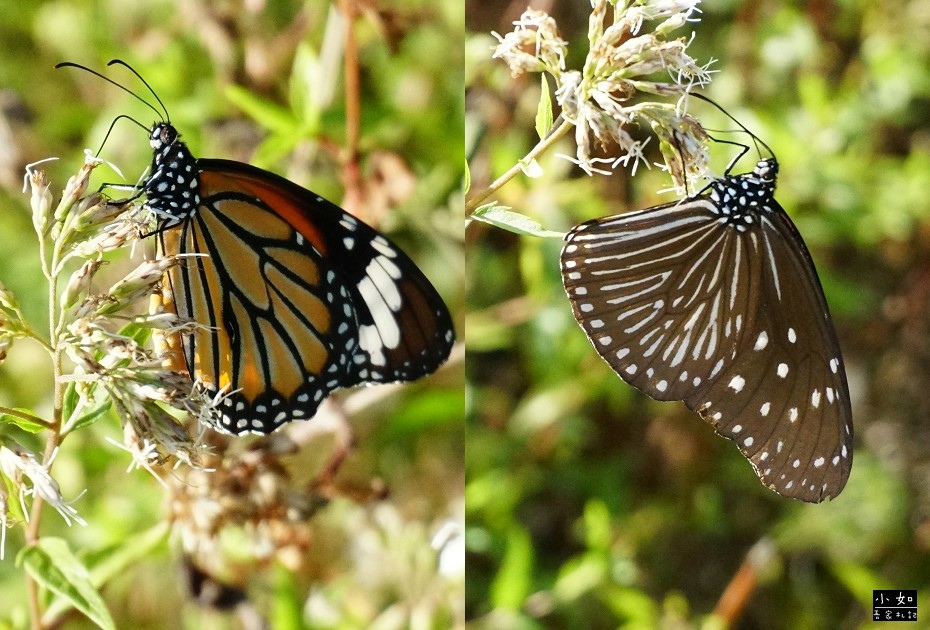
<point x="472" y="204"/>
<point x="351" y="174"/>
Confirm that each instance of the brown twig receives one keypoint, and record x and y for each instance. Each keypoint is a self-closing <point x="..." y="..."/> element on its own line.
<point x="351" y="173"/>
<point x="739" y="591"/>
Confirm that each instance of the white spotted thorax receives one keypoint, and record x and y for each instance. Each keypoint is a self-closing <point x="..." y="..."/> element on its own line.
<point x="714" y="301"/>
<point x="739" y="198"/>
<point x="172" y="188"/>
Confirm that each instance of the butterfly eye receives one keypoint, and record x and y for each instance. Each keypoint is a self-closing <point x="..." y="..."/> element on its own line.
<point x="168" y="134"/>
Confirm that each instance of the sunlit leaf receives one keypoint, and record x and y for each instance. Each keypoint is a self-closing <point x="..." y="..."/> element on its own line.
<point x="23" y="421"/>
<point x="108" y="563"/>
<point x="544" y="109"/>
<point x="269" y="115"/>
<point x="51" y="563"/>
<point x="505" y="218"/>
<point x="514" y="579"/>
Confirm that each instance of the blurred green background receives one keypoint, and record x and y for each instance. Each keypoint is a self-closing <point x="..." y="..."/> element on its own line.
<point x="590" y="505"/>
<point x="260" y="82"/>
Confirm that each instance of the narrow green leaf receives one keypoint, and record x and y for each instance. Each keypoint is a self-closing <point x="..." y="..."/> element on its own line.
<point x="15" y="507"/>
<point x="467" y="177"/>
<point x="544" y="109"/>
<point x="112" y="561"/>
<point x="70" y="402"/>
<point x="137" y="332"/>
<point x="267" y="114"/>
<point x="505" y="218"/>
<point x="287" y="612"/>
<point x="512" y="583"/>
<point x="93" y="415"/>
<point x="598" y="533"/>
<point x="51" y="563"/>
<point x="23" y="421"/>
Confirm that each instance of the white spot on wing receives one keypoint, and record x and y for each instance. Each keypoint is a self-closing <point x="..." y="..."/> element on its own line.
<point x="761" y="341"/>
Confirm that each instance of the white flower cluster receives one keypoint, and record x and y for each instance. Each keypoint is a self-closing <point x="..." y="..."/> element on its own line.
<point x="629" y="55"/>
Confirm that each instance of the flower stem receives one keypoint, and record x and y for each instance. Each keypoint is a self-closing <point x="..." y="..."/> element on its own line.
<point x="53" y="438"/>
<point x="472" y="204"/>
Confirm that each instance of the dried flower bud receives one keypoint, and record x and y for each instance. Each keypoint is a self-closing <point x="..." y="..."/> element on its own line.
<point x="140" y="282"/>
<point x="112" y="238"/>
<point x="682" y="142"/>
<point x="624" y="59"/>
<point x="76" y="187"/>
<point x="41" y="199"/>
<point x="6" y="341"/>
<point x="533" y="46"/>
<point x="20" y="465"/>
<point x="8" y="300"/>
<point x="96" y="210"/>
<point x="79" y="283"/>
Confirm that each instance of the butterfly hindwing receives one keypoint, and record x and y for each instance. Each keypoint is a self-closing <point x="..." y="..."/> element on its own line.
<point x="784" y="400"/>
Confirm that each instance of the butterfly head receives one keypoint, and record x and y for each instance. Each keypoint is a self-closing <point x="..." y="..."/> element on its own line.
<point x="766" y="171"/>
<point x="163" y="135"/>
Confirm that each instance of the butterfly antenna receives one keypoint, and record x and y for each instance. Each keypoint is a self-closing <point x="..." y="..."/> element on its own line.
<point x="69" y="64"/>
<point x="754" y="137"/>
<point x="113" y="124"/>
<point x="120" y="62"/>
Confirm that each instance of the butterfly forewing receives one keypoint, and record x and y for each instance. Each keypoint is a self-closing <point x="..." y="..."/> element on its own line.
<point x="714" y="300"/>
<point x="654" y="290"/>
<point x="404" y="329"/>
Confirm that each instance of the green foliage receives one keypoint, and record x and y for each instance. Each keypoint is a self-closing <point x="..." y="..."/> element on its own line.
<point x="273" y="114"/>
<point x="507" y="219"/>
<point x="55" y="567"/>
<point x="636" y="513"/>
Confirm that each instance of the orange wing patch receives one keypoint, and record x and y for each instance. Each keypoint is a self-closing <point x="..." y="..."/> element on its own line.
<point x="266" y="324"/>
<point x="284" y="203"/>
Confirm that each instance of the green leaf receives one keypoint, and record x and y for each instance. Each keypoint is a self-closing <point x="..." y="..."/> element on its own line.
<point x="15" y="507"/>
<point x="70" y="402"/>
<point x="51" y="563"/>
<point x="93" y="415"/>
<point x="505" y="218"/>
<point x="287" y="612"/>
<point x="137" y="332"/>
<point x="112" y="561"/>
<point x="513" y="581"/>
<point x="531" y="168"/>
<point x="544" y="110"/>
<point x="267" y="114"/>
<point x="467" y="177"/>
<point x="304" y="94"/>
<point x="23" y="422"/>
